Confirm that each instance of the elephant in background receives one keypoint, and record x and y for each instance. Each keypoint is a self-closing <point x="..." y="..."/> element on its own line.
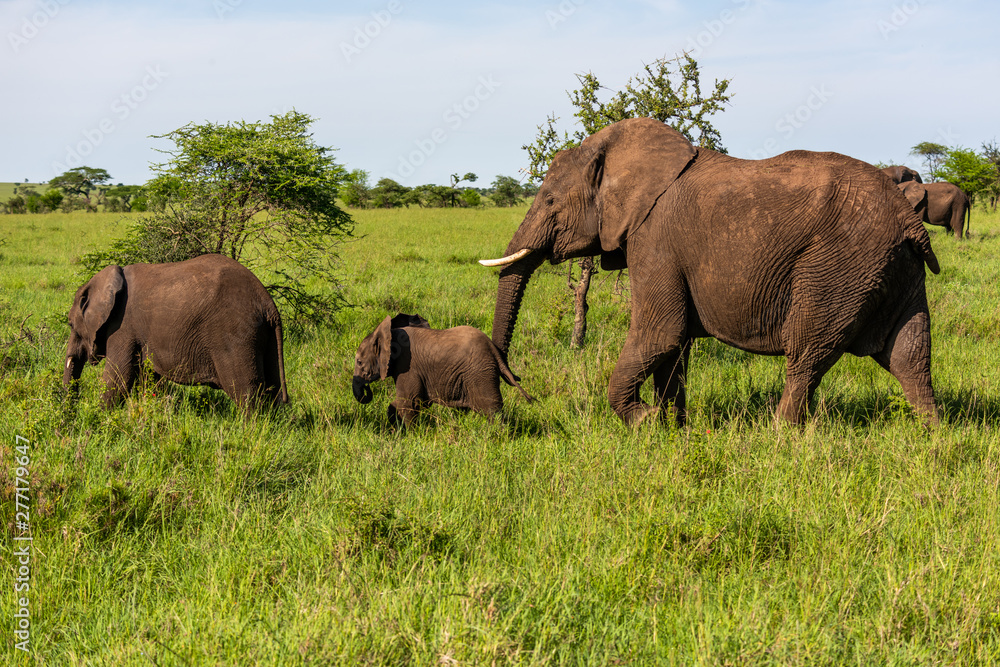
<point x="206" y="321"/>
<point x="458" y="368"/>
<point x="901" y="174"/>
<point x="807" y="255"/>
<point x="943" y="204"/>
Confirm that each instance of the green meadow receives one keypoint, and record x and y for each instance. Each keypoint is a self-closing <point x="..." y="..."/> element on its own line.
<point x="174" y="530"/>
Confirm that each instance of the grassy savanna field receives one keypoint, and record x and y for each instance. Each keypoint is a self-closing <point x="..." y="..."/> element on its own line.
<point x="175" y="531"/>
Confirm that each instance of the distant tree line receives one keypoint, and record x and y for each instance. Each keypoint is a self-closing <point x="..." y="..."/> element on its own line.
<point x="82" y="189"/>
<point x="387" y="193"/>
<point x="88" y="189"/>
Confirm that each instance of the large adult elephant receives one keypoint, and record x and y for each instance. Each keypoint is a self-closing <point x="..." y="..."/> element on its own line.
<point x="902" y="174"/>
<point x="949" y="206"/>
<point x="806" y="255"/>
<point x="205" y="321"/>
<point x="942" y="204"/>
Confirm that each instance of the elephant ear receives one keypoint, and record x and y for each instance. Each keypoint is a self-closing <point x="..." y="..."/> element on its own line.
<point x="403" y="320"/>
<point x="93" y="304"/>
<point x="634" y="162"/>
<point x="915" y="193"/>
<point x="383" y="346"/>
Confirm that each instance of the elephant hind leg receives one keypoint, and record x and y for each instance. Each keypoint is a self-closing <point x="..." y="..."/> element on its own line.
<point x="484" y="394"/>
<point x="907" y="355"/>
<point x="239" y="378"/>
<point x="270" y="360"/>
<point x="803" y="374"/>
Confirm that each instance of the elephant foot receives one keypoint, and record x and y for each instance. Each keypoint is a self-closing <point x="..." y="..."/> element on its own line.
<point x="641" y="413"/>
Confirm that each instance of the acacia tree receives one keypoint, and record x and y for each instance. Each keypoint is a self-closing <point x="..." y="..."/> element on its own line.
<point x="934" y="155"/>
<point x="507" y="191"/>
<point x="123" y="197"/>
<point x="356" y="192"/>
<point x="264" y="194"/>
<point x="669" y="90"/>
<point x="455" y="180"/>
<point x="387" y="193"/>
<point x="81" y="181"/>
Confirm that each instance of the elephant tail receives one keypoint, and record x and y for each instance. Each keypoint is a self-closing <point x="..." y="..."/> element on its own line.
<point x="279" y="341"/>
<point x="508" y="375"/>
<point x="921" y="240"/>
<point x="967" y="216"/>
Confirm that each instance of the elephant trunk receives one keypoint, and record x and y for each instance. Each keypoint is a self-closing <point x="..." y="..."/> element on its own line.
<point x="72" y="373"/>
<point x="513" y="280"/>
<point x="362" y="390"/>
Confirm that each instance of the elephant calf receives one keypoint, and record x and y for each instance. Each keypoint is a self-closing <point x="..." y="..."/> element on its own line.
<point x="205" y="321"/>
<point x="458" y="367"/>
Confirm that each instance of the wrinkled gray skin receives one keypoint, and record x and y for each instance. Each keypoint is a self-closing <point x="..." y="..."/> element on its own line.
<point x="942" y="204"/>
<point x="806" y="255"/>
<point x="458" y="367"/>
<point x="205" y="321"/>
<point x="901" y="174"/>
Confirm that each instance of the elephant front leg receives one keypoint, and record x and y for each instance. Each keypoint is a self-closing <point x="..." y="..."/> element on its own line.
<point x="403" y="411"/>
<point x="119" y="378"/>
<point x="637" y="361"/>
<point x="670" y="380"/>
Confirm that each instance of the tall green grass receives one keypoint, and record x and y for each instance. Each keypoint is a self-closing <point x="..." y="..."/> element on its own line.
<point x="174" y="530"/>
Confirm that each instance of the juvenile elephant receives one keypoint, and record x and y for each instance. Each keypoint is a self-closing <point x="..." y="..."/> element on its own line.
<point x="205" y="321"/>
<point x="900" y="174"/>
<point x="458" y="367"/>
<point x="806" y="255"/>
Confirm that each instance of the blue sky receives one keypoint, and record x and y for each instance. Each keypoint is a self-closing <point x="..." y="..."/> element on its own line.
<point x="417" y="91"/>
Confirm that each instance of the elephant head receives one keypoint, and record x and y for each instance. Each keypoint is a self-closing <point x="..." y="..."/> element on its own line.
<point x="88" y="320"/>
<point x="916" y="194"/>
<point x="593" y="197"/>
<point x="900" y="174"/>
<point x="378" y="351"/>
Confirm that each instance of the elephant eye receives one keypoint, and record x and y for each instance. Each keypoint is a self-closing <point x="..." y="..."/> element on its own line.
<point x="550" y="200"/>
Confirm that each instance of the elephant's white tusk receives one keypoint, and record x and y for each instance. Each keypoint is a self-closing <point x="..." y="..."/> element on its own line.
<point x="509" y="259"/>
<point x="69" y="361"/>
